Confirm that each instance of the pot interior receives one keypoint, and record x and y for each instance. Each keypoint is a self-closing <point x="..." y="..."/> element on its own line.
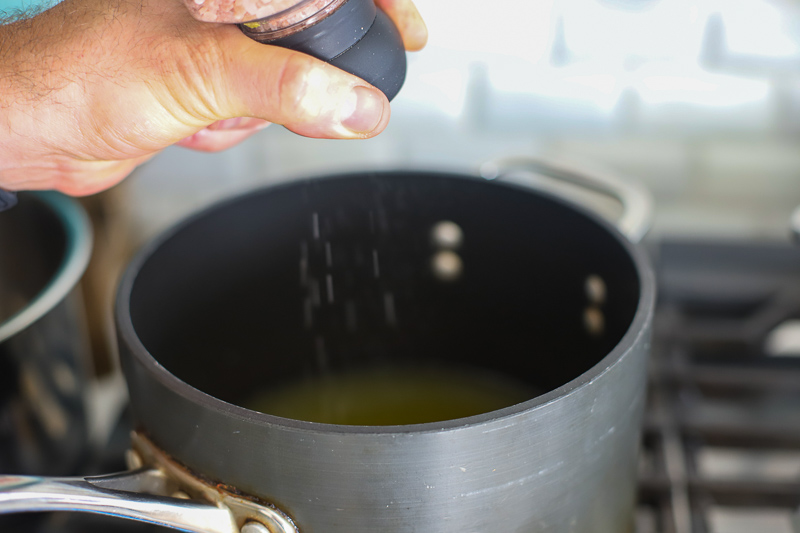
<point x="325" y="276"/>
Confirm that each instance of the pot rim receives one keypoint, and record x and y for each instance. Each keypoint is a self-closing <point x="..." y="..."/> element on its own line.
<point x="77" y="251"/>
<point x="637" y="328"/>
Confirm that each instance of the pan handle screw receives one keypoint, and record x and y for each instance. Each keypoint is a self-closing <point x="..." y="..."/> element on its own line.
<point x="133" y="460"/>
<point x="255" y="527"/>
<point x="447" y="235"/>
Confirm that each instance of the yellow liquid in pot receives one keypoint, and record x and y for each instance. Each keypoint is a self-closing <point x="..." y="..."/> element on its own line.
<point x="392" y="396"/>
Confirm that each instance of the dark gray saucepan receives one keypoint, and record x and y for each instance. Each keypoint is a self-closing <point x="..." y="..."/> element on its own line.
<point x="263" y="288"/>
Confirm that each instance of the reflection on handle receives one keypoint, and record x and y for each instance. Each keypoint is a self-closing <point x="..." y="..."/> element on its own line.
<point x="637" y="204"/>
<point x="137" y="495"/>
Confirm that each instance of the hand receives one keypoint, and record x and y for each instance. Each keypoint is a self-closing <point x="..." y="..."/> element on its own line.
<point x="92" y="88"/>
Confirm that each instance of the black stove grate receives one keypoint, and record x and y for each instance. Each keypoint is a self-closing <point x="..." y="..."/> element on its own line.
<point x="721" y="441"/>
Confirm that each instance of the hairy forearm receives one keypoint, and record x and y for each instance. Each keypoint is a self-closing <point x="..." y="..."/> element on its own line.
<point x="43" y="55"/>
<point x="64" y="75"/>
<point x="39" y="89"/>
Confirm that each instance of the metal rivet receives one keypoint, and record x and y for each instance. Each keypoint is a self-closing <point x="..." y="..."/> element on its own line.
<point x="133" y="460"/>
<point x="595" y="289"/>
<point x="447" y="266"/>
<point x="255" y="527"/>
<point x="594" y="321"/>
<point x="447" y="234"/>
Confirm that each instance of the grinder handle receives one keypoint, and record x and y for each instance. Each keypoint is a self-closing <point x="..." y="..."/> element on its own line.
<point x="358" y="38"/>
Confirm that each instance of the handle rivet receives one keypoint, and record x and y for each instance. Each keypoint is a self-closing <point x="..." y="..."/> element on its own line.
<point x="133" y="460"/>
<point x="255" y="527"/>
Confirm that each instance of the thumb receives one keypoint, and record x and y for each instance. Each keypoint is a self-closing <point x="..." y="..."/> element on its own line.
<point x="300" y="92"/>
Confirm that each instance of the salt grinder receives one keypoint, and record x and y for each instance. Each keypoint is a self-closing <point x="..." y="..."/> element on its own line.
<point x="353" y="35"/>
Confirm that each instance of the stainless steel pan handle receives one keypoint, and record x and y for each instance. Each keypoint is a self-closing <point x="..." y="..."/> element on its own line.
<point x="126" y="495"/>
<point x="637" y="204"/>
<point x="164" y="493"/>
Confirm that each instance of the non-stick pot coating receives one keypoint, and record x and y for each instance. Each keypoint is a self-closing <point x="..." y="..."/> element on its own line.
<point x="329" y="274"/>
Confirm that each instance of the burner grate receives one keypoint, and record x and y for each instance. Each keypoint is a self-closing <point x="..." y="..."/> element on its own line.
<point x="721" y="442"/>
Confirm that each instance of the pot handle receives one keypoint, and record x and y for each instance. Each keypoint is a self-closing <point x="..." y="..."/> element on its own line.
<point x="156" y="493"/>
<point x="637" y="203"/>
<point x="137" y="495"/>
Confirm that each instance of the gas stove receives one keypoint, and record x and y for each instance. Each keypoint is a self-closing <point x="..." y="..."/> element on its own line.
<point x="721" y="437"/>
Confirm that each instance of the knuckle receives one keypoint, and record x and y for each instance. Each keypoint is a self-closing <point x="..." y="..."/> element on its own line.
<point x="295" y="80"/>
<point x="191" y="77"/>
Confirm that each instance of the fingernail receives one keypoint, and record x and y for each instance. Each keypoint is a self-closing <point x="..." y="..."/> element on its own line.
<point x="363" y="110"/>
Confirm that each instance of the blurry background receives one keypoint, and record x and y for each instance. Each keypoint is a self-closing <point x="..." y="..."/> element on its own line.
<point x="699" y="100"/>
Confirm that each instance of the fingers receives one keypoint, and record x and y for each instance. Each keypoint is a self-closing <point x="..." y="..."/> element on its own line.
<point x="301" y="93"/>
<point x="408" y="21"/>
<point x="223" y="134"/>
<point x="306" y="96"/>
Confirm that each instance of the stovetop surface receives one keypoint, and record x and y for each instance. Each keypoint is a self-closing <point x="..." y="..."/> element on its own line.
<point x="721" y="438"/>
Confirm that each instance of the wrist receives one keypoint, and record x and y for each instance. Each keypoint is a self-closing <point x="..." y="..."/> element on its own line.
<point x="38" y="101"/>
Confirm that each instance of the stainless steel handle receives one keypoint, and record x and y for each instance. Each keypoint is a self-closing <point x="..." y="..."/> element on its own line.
<point x="157" y="493"/>
<point x="137" y="495"/>
<point x="637" y="203"/>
